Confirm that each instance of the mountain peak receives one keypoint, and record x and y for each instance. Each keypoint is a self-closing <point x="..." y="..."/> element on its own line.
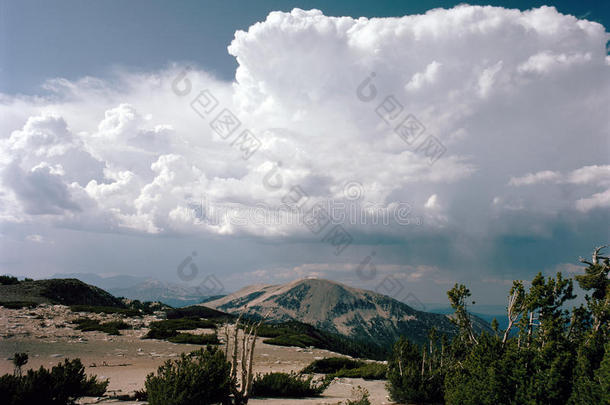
<point x="335" y="307"/>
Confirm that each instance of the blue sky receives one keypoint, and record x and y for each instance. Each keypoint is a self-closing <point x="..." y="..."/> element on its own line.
<point x="107" y="149"/>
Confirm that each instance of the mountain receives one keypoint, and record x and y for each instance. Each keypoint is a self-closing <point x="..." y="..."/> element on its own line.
<point x="104" y="282"/>
<point x="334" y="307"/>
<point x="142" y="288"/>
<point x="155" y="290"/>
<point x="57" y="291"/>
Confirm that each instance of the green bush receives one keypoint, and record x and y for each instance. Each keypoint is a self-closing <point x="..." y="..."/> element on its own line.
<point x="209" y="339"/>
<point x="105" y="310"/>
<point x="330" y="365"/>
<point x="170" y="327"/>
<point x="370" y="371"/>
<point x="198" y="311"/>
<point x="18" y="304"/>
<point x="8" y="280"/>
<point x="62" y="385"/>
<point x="284" y="385"/>
<point x="111" y="328"/>
<point x="198" y="379"/>
<point x="344" y="367"/>
<point x="291" y="340"/>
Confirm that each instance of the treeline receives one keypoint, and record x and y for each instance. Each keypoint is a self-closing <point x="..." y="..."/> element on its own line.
<point x="547" y="355"/>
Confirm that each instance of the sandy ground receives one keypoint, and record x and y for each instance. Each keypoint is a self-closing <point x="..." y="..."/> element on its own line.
<point x="47" y="335"/>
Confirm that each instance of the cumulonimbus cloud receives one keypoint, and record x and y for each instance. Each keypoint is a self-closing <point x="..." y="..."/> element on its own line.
<point x="325" y="96"/>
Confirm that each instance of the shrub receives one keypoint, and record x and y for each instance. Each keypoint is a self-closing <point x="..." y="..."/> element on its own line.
<point x="111" y="328"/>
<point x="198" y="311"/>
<point x="291" y="340"/>
<point x="8" y="280"/>
<point x="362" y="397"/>
<point x="104" y="310"/>
<point x="370" y="371"/>
<point x="284" y="385"/>
<point x="198" y="379"/>
<point x="61" y="386"/>
<point x="210" y="339"/>
<point x="344" y="367"/>
<point x="330" y="365"/>
<point x="19" y="360"/>
<point x="18" y="304"/>
<point x="169" y="327"/>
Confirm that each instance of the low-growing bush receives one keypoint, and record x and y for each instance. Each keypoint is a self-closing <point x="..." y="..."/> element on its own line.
<point x="201" y="378"/>
<point x="18" y="304"/>
<point x="105" y="310"/>
<point x="62" y="385"/>
<point x="370" y="371"/>
<point x="169" y="328"/>
<point x="330" y="365"/>
<point x="291" y="340"/>
<point x="111" y="328"/>
<point x="146" y="307"/>
<point x="284" y="385"/>
<point x="362" y="397"/>
<point x="209" y="339"/>
<point x="198" y="311"/>
<point x="344" y="367"/>
<point x="8" y="280"/>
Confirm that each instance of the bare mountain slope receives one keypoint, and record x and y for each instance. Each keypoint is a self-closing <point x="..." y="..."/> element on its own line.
<point x="337" y="308"/>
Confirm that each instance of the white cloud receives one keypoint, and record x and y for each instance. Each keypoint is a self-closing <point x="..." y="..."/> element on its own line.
<point x="597" y="200"/>
<point x="428" y="76"/>
<point x="595" y="175"/>
<point x="491" y="84"/>
<point x="35" y="238"/>
<point x="590" y="175"/>
<point x="432" y="203"/>
<point x="545" y="62"/>
<point x="535" y="178"/>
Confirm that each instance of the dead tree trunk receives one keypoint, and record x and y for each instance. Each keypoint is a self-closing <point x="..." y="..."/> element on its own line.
<point x="241" y="394"/>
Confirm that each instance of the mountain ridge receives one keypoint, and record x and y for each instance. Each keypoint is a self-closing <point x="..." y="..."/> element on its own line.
<point x="338" y="308"/>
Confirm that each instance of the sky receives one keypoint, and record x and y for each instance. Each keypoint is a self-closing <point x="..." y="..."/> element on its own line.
<point x="399" y="147"/>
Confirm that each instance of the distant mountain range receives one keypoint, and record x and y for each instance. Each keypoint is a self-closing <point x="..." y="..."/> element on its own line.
<point x="337" y="308"/>
<point x="142" y="288"/>
<point x="333" y="309"/>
